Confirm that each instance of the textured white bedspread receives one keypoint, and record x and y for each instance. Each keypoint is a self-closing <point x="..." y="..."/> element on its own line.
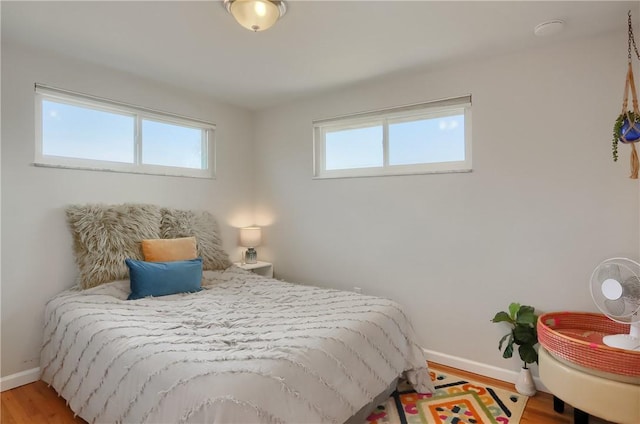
<point x="246" y="349"/>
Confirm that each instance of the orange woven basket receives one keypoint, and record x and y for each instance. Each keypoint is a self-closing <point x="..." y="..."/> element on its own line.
<point x="583" y="345"/>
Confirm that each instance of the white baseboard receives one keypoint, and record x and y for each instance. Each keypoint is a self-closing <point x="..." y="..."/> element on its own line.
<point x="464" y="364"/>
<point x="29" y="376"/>
<point x="19" y="379"/>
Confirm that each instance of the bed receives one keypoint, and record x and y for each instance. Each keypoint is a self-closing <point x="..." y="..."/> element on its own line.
<point x="244" y="349"/>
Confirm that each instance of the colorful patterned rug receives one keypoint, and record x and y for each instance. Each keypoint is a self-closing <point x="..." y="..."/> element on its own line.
<point x="456" y="401"/>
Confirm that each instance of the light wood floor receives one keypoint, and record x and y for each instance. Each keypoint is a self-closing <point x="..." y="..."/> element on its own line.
<point x="36" y="403"/>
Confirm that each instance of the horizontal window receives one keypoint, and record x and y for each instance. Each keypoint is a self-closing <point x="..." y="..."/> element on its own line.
<point x="424" y="138"/>
<point x="79" y="131"/>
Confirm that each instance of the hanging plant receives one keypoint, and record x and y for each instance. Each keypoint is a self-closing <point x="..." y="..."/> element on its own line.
<point x="626" y="129"/>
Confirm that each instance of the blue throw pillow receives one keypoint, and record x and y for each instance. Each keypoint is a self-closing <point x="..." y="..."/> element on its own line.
<point x="164" y="278"/>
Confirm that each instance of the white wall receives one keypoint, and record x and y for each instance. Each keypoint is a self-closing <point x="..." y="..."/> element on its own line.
<point x="37" y="260"/>
<point x="544" y="204"/>
<point x="542" y="207"/>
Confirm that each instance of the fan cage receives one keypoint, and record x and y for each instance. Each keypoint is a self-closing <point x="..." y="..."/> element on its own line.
<point x="596" y="356"/>
<point x="625" y="270"/>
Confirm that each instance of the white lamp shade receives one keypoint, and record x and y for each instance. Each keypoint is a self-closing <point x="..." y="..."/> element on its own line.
<point x="255" y="15"/>
<point x="250" y="236"/>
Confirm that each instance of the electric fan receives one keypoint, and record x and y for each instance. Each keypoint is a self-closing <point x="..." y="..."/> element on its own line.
<point x="615" y="289"/>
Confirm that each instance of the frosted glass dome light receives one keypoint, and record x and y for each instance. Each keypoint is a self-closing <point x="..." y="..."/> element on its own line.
<point x="256" y="15"/>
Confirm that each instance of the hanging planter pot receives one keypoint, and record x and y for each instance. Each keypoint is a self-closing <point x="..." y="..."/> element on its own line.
<point x="630" y="130"/>
<point x="625" y="130"/>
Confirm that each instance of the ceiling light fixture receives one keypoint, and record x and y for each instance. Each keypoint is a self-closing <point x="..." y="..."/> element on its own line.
<point x="256" y="15"/>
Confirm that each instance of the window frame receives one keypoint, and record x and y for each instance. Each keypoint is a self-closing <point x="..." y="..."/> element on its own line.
<point x="385" y="117"/>
<point x="139" y="114"/>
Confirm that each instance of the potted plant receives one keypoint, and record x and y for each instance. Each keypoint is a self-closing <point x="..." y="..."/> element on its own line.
<point x="628" y="125"/>
<point x="522" y="319"/>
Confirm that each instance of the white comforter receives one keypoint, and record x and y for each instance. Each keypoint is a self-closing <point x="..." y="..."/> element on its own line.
<point x="245" y="349"/>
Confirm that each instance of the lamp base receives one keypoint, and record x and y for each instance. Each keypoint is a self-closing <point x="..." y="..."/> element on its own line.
<point x="251" y="256"/>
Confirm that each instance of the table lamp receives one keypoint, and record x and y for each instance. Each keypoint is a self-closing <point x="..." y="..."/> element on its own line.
<point x="250" y="237"/>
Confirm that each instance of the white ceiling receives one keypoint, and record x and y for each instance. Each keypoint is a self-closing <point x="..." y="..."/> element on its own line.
<point x="318" y="45"/>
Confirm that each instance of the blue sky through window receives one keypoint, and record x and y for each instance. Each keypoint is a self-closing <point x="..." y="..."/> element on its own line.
<point x="419" y="141"/>
<point x="85" y="133"/>
<point x="354" y="148"/>
<point x="80" y="132"/>
<point x="427" y="141"/>
<point x="171" y="145"/>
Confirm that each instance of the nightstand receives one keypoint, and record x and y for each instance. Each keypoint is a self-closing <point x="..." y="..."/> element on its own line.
<point x="261" y="268"/>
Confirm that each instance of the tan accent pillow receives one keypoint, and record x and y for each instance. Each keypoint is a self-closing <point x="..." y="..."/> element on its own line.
<point x="166" y="250"/>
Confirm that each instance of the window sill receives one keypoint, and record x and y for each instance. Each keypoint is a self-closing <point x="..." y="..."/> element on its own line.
<point x="390" y="174"/>
<point x="204" y="175"/>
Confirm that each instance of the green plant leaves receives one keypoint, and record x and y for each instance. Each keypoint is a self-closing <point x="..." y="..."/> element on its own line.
<point x="524" y="335"/>
<point x="527" y="317"/>
<point x="502" y="341"/>
<point x="508" y="350"/>
<point x="501" y="316"/>
<point x="524" y="309"/>
<point x="513" y="310"/>
<point x="528" y="354"/>
<point x="617" y="129"/>
<point x="523" y="321"/>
